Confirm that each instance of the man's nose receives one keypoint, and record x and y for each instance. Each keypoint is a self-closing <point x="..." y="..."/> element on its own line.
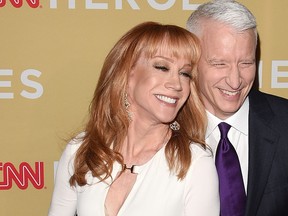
<point x="234" y="78"/>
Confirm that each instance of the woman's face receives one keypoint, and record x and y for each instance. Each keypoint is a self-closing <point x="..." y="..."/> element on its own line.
<point x="158" y="87"/>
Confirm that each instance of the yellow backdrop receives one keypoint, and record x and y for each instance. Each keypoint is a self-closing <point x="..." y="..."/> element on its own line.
<point x="50" y="56"/>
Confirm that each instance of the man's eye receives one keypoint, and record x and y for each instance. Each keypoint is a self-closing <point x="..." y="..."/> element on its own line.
<point x="247" y="63"/>
<point x="162" y="68"/>
<point x="218" y="64"/>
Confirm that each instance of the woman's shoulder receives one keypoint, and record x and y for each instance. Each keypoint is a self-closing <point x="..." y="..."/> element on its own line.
<point x="74" y="144"/>
<point x="199" y="151"/>
<point x="202" y="161"/>
<point x="202" y="164"/>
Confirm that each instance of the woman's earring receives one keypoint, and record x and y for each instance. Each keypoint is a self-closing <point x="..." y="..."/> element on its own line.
<point x="126" y="102"/>
<point x="127" y="105"/>
<point x="175" y="126"/>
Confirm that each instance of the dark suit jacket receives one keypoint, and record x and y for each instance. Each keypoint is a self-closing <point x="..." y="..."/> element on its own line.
<point x="267" y="190"/>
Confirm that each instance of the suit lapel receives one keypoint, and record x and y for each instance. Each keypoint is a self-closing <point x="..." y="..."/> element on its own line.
<point x="262" y="147"/>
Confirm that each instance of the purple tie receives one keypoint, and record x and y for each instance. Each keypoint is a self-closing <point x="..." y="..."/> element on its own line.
<point x="232" y="191"/>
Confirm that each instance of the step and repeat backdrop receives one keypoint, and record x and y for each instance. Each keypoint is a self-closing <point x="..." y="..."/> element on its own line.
<point x="51" y="52"/>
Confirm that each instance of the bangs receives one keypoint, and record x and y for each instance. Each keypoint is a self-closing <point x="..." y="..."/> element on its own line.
<point x="178" y="44"/>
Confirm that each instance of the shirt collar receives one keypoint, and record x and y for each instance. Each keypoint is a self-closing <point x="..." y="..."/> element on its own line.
<point x="233" y="120"/>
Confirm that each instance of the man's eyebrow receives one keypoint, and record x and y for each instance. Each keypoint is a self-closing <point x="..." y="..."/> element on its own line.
<point x="212" y="60"/>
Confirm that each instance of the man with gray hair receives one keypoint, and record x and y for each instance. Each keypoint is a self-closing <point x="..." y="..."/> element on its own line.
<point x="247" y="129"/>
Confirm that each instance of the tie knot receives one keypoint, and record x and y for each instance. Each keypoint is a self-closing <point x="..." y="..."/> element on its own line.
<point x="224" y="128"/>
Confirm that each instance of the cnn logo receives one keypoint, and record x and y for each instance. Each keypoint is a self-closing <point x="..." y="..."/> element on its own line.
<point x="22" y="176"/>
<point x="19" y="3"/>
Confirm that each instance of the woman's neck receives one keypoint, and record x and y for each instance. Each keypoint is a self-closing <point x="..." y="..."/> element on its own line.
<point x="141" y="144"/>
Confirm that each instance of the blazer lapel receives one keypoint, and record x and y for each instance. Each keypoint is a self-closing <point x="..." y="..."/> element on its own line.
<point x="262" y="147"/>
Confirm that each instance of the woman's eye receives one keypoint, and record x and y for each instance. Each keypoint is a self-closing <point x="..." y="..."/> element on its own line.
<point x="186" y="74"/>
<point x="162" y="68"/>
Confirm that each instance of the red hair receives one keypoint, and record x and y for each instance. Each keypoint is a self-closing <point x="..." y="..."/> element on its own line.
<point x="108" y="121"/>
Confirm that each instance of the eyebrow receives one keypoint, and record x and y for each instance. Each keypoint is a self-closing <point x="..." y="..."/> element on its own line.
<point x="163" y="57"/>
<point x="215" y="60"/>
<point x="171" y="60"/>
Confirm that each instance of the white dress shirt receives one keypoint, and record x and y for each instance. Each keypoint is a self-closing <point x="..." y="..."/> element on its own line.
<point x="238" y="135"/>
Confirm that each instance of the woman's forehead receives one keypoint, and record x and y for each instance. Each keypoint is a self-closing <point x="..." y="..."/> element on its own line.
<point x="165" y="51"/>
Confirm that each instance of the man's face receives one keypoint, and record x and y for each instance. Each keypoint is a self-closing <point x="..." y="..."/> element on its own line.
<point x="227" y="67"/>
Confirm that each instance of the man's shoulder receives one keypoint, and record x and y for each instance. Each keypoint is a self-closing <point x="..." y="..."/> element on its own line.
<point x="268" y="107"/>
<point x="261" y="97"/>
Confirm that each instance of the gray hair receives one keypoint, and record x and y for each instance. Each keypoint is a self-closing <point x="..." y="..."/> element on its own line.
<point x="229" y="12"/>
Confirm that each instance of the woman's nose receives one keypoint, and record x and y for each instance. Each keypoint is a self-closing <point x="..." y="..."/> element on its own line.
<point x="174" y="82"/>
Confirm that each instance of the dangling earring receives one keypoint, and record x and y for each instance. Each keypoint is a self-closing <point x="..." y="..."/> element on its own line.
<point x="126" y="102"/>
<point x="127" y="105"/>
<point x="175" y="126"/>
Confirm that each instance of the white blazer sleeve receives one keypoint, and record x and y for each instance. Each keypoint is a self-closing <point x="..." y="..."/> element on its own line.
<point x="64" y="198"/>
<point x="202" y="193"/>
